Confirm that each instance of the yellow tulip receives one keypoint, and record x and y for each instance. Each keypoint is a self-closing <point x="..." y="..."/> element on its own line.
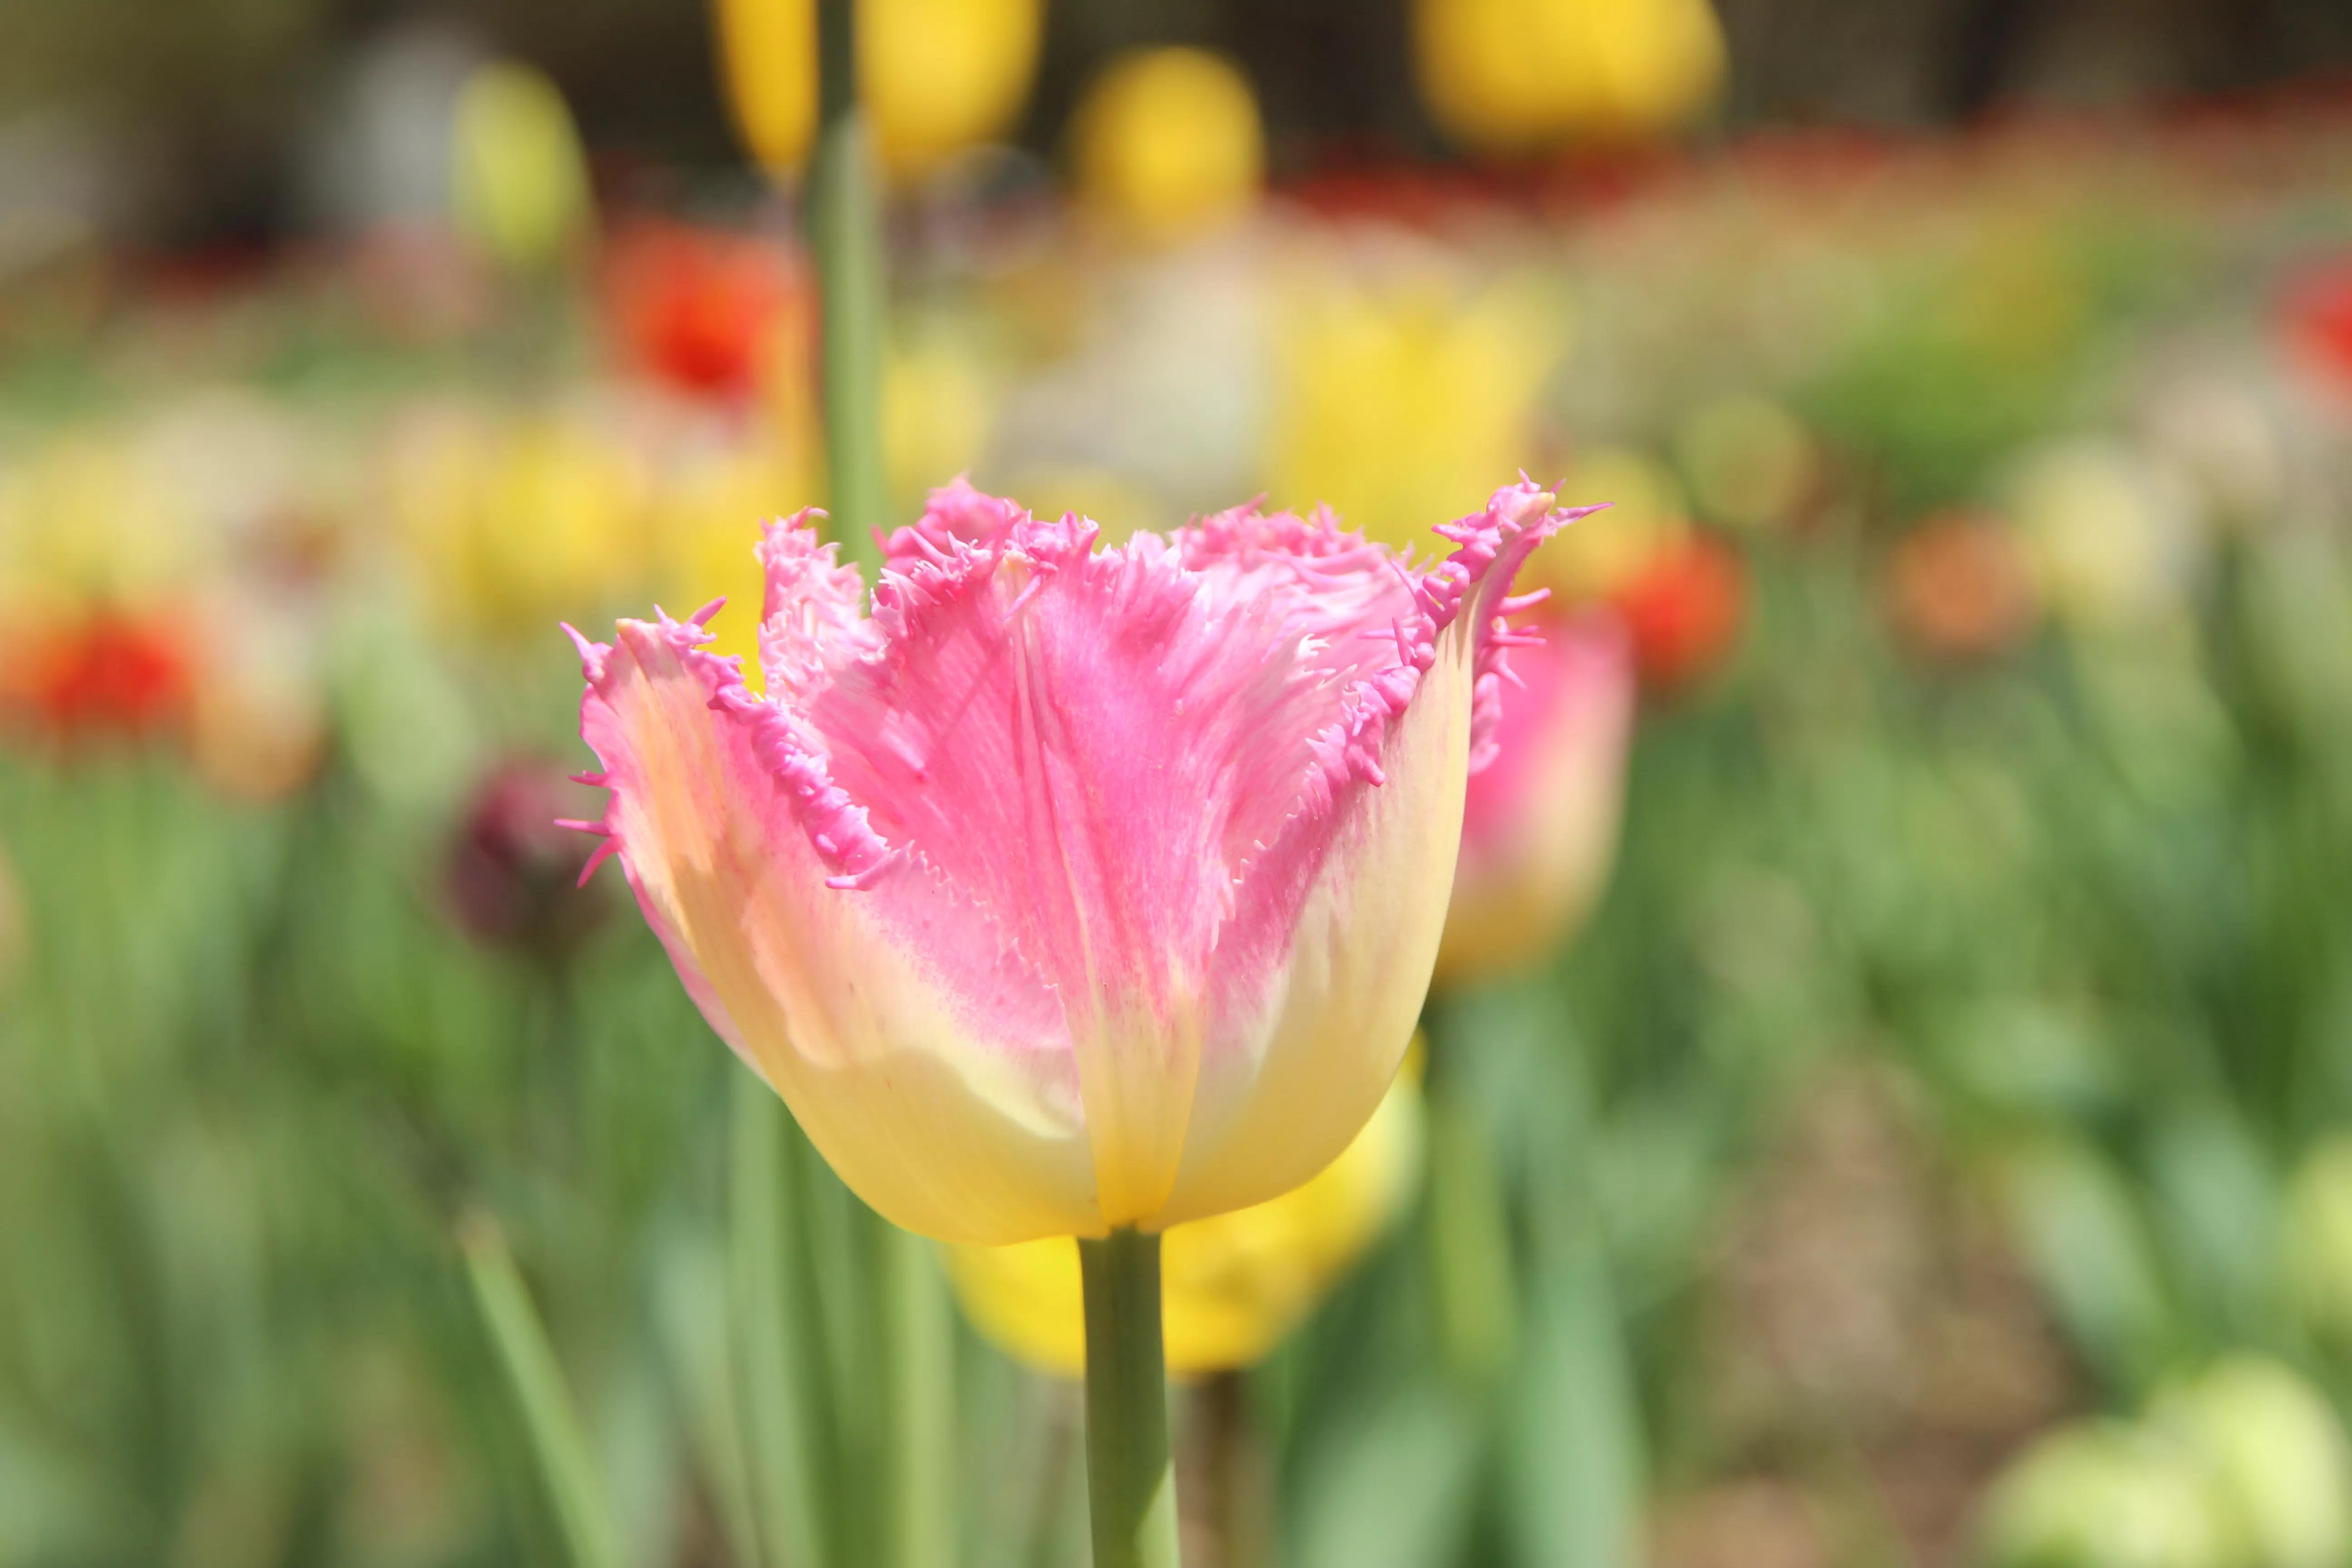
<point x="521" y="178"/>
<point x="1166" y="143"/>
<point x="767" y="59"/>
<point x="1231" y="1286"/>
<point x="1390" y="403"/>
<point x="87" y="520"/>
<point x="1516" y="76"/>
<point x="510" y="524"/>
<point x="935" y="76"/>
<point x="699" y="527"/>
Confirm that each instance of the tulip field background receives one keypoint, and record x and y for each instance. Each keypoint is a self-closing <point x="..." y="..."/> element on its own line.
<point x="1934" y="1147"/>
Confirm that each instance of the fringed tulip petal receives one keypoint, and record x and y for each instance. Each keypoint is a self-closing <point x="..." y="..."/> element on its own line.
<point x="956" y="513"/>
<point x="912" y="1064"/>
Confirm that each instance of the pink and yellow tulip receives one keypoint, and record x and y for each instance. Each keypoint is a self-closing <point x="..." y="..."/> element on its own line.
<point x="1071" y="891"/>
<point x="1540" y="821"/>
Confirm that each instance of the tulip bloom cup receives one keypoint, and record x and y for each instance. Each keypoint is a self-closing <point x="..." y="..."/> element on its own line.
<point x="1071" y="891"/>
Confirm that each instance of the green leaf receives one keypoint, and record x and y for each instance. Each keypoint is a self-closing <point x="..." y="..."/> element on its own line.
<point x="549" y="1417"/>
<point x="2088" y="1245"/>
<point x="768" y="1327"/>
<point x="1574" y="1465"/>
<point x="1397" y="1489"/>
<point x="690" y="1308"/>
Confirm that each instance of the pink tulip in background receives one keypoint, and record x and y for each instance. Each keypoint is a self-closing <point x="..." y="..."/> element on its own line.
<point x="1540" y="823"/>
<point x="1070" y="889"/>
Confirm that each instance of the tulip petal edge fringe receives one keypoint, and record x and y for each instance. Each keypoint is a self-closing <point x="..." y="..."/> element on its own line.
<point x="1130" y="1476"/>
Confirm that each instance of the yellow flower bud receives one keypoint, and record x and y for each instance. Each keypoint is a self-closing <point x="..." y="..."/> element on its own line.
<point x="1166" y="143"/>
<point x="509" y="524"/>
<point x="521" y="178"/>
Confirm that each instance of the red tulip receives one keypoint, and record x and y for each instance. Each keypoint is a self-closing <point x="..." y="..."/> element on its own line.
<point x="2318" y="307"/>
<point x="700" y="308"/>
<point x="107" y="671"/>
<point x="1685" y="608"/>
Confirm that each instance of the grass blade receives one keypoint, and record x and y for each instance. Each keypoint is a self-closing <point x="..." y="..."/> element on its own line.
<point x="548" y="1415"/>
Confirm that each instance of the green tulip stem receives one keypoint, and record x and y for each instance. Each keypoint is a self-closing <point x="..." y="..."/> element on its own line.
<point x="844" y="223"/>
<point x="1131" y="1478"/>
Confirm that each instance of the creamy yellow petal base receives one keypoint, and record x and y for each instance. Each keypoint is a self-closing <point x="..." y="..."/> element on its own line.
<point x="1232" y="1286"/>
